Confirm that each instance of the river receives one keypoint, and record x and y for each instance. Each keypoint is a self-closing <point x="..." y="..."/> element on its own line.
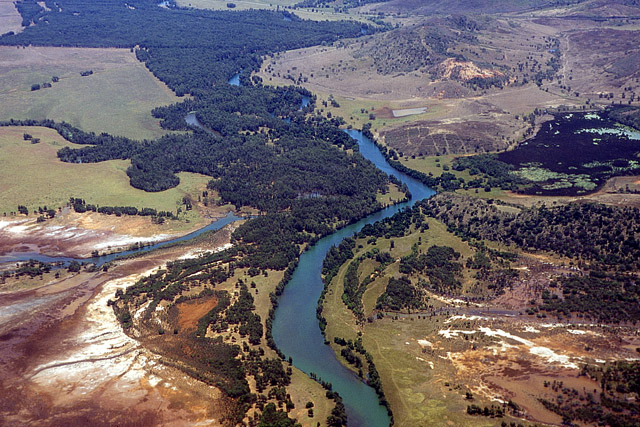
<point x="295" y="327"/>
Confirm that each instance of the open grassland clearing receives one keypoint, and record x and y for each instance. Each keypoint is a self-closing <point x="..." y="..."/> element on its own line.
<point x="392" y="196"/>
<point x="10" y="19"/>
<point x="429" y="364"/>
<point x="313" y="14"/>
<point x="116" y="98"/>
<point x="33" y="176"/>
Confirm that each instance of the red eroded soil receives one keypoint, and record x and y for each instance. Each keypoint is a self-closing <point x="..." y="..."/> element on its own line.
<point x="191" y="311"/>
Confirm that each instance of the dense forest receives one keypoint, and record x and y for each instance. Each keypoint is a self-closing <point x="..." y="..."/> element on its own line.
<point x="600" y="239"/>
<point x="189" y="49"/>
<point x="596" y="235"/>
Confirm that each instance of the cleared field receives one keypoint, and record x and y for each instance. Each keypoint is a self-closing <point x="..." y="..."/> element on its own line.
<point x="314" y="14"/>
<point x="10" y="19"/>
<point x="32" y="175"/>
<point x="117" y="98"/>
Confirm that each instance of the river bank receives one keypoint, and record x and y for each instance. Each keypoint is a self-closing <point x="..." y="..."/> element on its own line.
<point x="295" y="328"/>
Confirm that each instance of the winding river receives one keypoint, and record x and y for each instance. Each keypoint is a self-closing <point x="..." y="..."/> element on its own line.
<point x="295" y="327"/>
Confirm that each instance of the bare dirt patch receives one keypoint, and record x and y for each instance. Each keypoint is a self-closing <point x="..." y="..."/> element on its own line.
<point x="430" y="138"/>
<point x="191" y="311"/>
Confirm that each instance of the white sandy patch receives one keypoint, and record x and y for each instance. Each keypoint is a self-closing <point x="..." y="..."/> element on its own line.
<point x="448" y="333"/>
<point x="428" y="362"/>
<point x="531" y="330"/>
<point x="425" y="343"/>
<point x="198" y="252"/>
<point x="501" y="347"/>
<point x="465" y="317"/>
<point x="141" y="310"/>
<point x="17" y="229"/>
<point x="543" y="352"/>
<point x="102" y="352"/>
<point x="455" y="301"/>
<point x="125" y="240"/>
<point x="154" y="381"/>
<point x="4" y="224"/>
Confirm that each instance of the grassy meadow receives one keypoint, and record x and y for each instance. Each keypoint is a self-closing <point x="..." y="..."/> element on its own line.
<point x="314" y="14"/>
<point x="32" y="175"/>
<point x="117" y="98"/>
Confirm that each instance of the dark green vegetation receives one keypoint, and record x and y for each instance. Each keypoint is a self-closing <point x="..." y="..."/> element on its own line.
<point x="602" y="240"/>
<point x="629" y="116"/>
<point x="31" y="268"/>
<point x="573" y="154"/>
<point x="194" y="350"/>
<point x="259" y="159"/>
<point x="351" y="351"/>
<point x="354" y="288"/>
<point x="186" y="48"/>
<point x="80" y="206"/>
<point x="445" y="182"/>
<point x="614" y="404"/>
<point x="598" y="238"/>
<point x="399" y="295"/>
<point x="598" y="297"/>
<point x="439" y="264"/>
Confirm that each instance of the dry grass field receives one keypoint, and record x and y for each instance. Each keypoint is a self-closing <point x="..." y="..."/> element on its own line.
<point x="117" y="98"/>
<point x="313" y="14"/>
<point x="10" y="19"/>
